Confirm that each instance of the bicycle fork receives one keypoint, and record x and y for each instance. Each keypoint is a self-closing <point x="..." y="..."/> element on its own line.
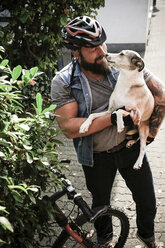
<point x="62" y="221"/>
<point x="72" y="233"/>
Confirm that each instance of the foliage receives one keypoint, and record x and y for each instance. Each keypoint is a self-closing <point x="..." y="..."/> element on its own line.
<point x="32" y="87"/>
<point x="33" y="35"/>
<point x="28" y="147"/>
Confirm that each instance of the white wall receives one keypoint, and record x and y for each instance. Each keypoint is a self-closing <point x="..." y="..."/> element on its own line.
<point x="125" y="21"/>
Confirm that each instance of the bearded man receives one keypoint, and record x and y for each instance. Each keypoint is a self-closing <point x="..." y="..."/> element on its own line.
<point x="84" y="87"/>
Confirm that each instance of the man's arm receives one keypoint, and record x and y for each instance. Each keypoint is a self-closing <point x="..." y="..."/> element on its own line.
<point x="157" y="88"/>
<point x="70" y="123"/>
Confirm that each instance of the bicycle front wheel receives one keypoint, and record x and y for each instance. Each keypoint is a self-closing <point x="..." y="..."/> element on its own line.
<point x="86" y="230"/>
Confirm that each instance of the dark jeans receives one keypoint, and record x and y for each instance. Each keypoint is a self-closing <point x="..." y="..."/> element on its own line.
<point x="100" y="178"/>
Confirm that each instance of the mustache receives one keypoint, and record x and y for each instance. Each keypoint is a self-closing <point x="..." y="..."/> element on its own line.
<point x="100" y="57"/>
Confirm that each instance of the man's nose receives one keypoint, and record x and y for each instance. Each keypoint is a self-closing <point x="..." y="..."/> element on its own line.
<point x="101" y="49"/>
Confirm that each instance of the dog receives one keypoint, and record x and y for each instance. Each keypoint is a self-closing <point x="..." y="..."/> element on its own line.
<point x="131" y="91"/>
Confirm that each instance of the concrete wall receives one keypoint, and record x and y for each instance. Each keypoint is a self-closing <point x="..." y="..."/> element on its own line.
<point x="126" y="23"/>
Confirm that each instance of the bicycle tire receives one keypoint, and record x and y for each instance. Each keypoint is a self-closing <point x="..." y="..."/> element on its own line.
<point x="120" y="231"/>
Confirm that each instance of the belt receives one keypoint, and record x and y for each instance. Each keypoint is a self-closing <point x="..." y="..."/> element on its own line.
<point x="115" y="148"/>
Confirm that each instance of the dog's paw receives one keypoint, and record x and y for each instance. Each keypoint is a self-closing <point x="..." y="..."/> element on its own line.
<point x="130" y="143"/>
<point x="84" y="127"/>
<point x="137" y="165"/>
<point x="120" y="128"/>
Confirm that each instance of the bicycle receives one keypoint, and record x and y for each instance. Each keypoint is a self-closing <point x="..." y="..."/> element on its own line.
<point x="81" y="228"/>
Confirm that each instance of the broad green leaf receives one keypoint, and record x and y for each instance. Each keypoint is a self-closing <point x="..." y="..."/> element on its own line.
<point x="17" y="196"/>
<point x="18" y="187"/>
<point x="24" y="185"/>
<point x="4" y="62"/>
<point x="63" y="20"/>
<point x="29" y="158"/>
<point x="24" y="127"/>
<point x="50" y="108"/>
<point x="3" y="209"/>
<point x="32" y="198"/>
<point x="27" y="73"/>
<point x="27" y="147"/>
<point x="33" y="71"/>
<point x="26" y="76"/>
<point x="2" y="49"/>
<point x="39" y="73"/>
<point x="4" y="142"/>
<point x="16" y="72"/>
<point x="20" y="84"/>
<point x="4" y="222"/>
<point x="39" y="103"/>
<point x="25" y="79"/>
<point x="34" y="189"/>
<point x="45" y="163"/>
<point x="8" y="179"/>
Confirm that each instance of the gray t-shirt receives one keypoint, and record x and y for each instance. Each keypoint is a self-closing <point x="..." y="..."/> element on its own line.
<point x="108" y="137"/>
<point x="100" y="90"/>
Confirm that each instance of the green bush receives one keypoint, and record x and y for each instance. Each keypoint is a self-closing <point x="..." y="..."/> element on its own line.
<point x="33" y="34"/>
<point x="28" y="148"/>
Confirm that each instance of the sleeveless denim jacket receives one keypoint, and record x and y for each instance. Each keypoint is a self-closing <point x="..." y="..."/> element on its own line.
<point x="80" y="90"/>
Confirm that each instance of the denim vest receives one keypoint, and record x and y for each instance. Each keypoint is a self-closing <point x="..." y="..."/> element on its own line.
<point x="80" y="90"/>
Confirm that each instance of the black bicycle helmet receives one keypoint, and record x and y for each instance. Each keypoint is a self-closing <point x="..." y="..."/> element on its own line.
<point x="83" y="31"/>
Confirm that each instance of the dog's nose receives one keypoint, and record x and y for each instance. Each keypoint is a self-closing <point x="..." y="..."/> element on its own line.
<point x="107" y="56"/>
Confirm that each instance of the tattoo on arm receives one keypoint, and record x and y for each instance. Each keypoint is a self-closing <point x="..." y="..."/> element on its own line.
<point x="156" y="119"/>
<point x="157" y="88"/>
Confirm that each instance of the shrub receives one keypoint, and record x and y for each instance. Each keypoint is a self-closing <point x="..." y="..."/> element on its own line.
<point x="28" y="148"/>
<point x="32" y="34"/>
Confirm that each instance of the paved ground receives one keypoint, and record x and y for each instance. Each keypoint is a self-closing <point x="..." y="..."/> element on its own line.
<point x="155" y="60"/>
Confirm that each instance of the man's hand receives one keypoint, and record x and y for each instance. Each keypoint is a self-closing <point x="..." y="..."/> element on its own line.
<point x="130" y="117"/>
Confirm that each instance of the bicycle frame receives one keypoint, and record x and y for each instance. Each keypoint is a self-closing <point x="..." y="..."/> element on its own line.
<point x="73" y="227"/>
<point x="60" y="217"/>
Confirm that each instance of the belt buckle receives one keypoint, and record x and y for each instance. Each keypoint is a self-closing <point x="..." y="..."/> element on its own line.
<point x="110" y="151"/>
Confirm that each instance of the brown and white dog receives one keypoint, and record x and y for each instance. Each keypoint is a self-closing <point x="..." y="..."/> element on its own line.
<point x="131" y="91"/>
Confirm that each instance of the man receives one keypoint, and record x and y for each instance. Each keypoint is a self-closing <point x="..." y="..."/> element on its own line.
<point x="84" y="87"/>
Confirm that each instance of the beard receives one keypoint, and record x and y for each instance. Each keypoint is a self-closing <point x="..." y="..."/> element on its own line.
<point x="95" y="68"/>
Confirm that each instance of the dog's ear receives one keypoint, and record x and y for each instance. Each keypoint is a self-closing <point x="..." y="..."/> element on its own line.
<point x="138" y="62"/>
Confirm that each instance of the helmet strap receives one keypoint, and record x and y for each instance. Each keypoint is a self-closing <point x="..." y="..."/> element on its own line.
<point x="74" y="61"/>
